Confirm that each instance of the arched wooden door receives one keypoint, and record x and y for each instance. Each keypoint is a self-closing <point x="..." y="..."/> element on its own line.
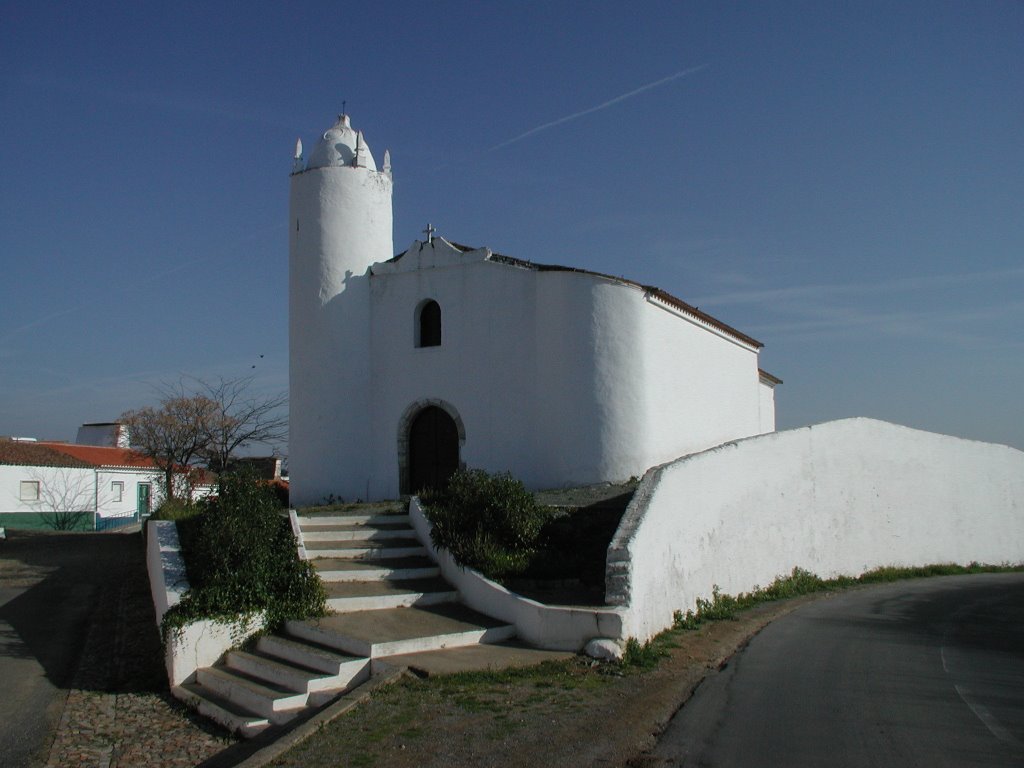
<point x="433" y="449"/>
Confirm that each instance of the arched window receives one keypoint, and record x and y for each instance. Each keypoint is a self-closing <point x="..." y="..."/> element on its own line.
<point x="429" y="325"/>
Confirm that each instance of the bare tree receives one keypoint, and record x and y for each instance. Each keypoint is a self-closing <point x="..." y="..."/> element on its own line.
<point x="205" y="422"/>
<point x="172" y="435"/>
<point x="66" y="497"/>
<point x="240" y="419"/>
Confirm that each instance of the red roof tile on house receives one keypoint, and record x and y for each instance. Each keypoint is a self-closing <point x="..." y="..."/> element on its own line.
<point x="36" y="455"/>
<point x="98" y="456"/>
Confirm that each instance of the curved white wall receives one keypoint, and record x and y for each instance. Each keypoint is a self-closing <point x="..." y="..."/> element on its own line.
<point x="340" y="224"/>
<point x="701" y="386"/>
<point x="837" y="498"/>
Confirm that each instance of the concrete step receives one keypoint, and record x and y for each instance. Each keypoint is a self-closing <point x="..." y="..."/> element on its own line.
<point x="222" y="711"/>
<point x="311" y="656"/>
<point x="389" y="632"/>
<point x="348" y="569"/>
<point x="285" y="674"/>
<point x="365" y="550"/>
<point x="357" y="533"/>
<point x="307" y="522"/>
<point x="262" y="697"/>
<point x="349" y="596"/>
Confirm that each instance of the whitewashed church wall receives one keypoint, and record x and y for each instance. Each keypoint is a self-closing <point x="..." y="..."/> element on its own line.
<point x="543" y="368"/>
<point x="837" y="498"/>
<point x="484" y="368"/>
<point x="573" y="426"/>
<point x="766" y="400"/>
<point x="701" y="388"/>
<point x="560" y="378"/>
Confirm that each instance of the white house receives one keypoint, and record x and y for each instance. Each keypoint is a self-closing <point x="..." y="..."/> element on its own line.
<point x="67" y="485"/>
<point x="403" y="368"/>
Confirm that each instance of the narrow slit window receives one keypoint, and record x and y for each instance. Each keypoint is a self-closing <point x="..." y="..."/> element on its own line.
<point x="430" y="325"/>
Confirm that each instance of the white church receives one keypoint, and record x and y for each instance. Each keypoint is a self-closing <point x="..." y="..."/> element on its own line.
<point x="403" y="368"/>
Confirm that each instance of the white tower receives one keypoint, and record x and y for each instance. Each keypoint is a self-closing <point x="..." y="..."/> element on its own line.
<point x="339" y="224"/>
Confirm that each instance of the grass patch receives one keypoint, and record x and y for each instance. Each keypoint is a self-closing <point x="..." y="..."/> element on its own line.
<point x="492" y="706"/>
<point x="334" y="507"/>
<point x="177" y="509"/>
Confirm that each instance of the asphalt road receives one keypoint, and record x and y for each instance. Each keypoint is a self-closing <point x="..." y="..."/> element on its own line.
<point x="918" y="673"/>
<point x="49" y="587"/>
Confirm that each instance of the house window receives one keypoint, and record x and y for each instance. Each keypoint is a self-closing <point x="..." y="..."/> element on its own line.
<point x="117" y="490"/>
<point x="29" y="490"/>
<point x="428" y="326"/>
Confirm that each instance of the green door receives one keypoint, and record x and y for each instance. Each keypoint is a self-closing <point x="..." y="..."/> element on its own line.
<point x="143" y="505"/>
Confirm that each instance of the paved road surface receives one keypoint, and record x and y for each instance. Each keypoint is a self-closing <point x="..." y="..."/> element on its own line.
<point x="919" y="673"/>
<point x="45" y="602"/>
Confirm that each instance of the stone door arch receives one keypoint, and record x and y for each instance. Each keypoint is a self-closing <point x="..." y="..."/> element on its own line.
<point x="430" y="440"/>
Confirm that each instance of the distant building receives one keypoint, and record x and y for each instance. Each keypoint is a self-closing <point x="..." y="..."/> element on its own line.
<point x="403" y="368"/>
<point x="112" y="434"/>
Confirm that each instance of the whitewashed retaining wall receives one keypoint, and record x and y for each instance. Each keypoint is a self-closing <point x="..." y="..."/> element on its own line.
<point x="554" y="627"/>
<point x="837" y="498"/>
<point x="201" y="643"/>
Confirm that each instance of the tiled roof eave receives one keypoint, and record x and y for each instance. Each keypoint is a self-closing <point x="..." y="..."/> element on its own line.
<point x="701" y="317"/>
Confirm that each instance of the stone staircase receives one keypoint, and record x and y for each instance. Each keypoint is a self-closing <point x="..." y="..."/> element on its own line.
<point x="387" y="600"/>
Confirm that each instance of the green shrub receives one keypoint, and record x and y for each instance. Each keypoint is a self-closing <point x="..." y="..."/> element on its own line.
<point x="642" y="656"/>
<point x="487" y="522"/>
<point x="241" y="556"/>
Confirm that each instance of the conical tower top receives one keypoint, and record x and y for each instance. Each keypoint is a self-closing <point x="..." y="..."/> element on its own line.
<point x="341" y="145"/>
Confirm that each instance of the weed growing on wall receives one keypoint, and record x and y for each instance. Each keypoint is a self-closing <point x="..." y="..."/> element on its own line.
<point x="487" y="522"/>
<point x="241" y="557"/>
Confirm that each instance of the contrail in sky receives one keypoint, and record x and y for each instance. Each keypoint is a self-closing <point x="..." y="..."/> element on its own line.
<point x="599" y="107"/>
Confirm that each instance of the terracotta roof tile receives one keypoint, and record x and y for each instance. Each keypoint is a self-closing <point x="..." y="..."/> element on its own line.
<point x="99" y="456"/>
<point x="36" y="455"/>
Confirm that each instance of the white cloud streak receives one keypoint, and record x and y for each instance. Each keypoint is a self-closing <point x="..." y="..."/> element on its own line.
<point x="599" y="107"/>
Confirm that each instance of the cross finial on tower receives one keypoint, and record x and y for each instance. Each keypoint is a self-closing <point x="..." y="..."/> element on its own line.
<point x="429" y="232"/>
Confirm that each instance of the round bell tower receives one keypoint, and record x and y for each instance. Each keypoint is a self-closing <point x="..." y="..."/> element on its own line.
<point x="339" y="224"/>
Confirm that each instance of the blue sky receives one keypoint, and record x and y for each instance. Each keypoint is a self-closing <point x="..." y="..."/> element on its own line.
<point x="843" y="181"/>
